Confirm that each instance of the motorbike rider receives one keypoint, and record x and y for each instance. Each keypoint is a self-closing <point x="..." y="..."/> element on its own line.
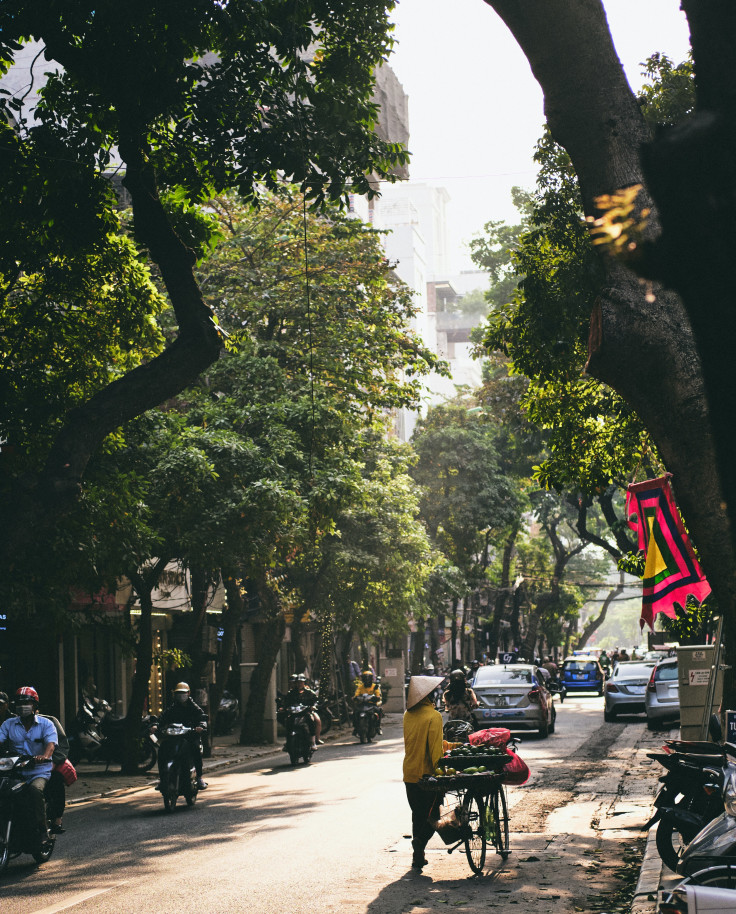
<point x="459" y="699"/>
<point x="31" y="734"/>
<point x="5" y="711"/>
<point x="301" y="694"/>
<point x="367" y="686"/>
<point x="184" y="710"/>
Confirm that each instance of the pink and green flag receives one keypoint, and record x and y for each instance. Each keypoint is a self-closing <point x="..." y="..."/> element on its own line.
<point x="672" y="571"/>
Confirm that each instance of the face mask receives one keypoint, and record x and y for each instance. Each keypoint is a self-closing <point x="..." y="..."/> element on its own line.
<point x="24" y="710"/>
<point x="181" y="697"/>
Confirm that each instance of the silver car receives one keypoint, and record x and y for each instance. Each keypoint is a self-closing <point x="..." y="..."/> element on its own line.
<point x="513" y="695"/>
<point x="624" y="692"/>
<point x="662" y="697"/>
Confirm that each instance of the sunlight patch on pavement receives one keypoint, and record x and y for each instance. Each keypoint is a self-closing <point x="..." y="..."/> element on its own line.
<point x="77" y="899"/>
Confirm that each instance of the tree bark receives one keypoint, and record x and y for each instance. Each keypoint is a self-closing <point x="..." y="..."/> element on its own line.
<point x="269" y="635"/>
<point x="143" y="583"/>
<point x="230" y="623"/>
<point x="650" y="350"/>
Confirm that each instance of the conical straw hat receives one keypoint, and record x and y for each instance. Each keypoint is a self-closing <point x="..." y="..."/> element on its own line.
<point x="420" y="687"/>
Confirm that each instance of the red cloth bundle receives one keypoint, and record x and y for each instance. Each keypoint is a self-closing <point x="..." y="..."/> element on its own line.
<point x="515" y="771"/>
<point x="493" y="736"/>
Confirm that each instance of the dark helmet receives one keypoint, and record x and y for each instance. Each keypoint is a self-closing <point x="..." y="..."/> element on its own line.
<point x="457" y="676"/>
<point x="293" y="678"/>
<point x="367" y="677"/>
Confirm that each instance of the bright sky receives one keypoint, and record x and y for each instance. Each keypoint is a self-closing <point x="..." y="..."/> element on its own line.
<point x="475" y="110"/>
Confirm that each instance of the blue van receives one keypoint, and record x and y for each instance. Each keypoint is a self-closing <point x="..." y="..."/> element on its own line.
<point x="582" y="674"/>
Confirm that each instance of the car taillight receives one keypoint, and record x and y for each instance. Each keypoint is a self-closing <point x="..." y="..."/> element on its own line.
<point x="651" y="687"/>
<point x="534" y="695"/>
<point x="610" y="687"/>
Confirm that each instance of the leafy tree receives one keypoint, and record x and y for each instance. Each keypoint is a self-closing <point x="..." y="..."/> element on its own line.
<point x="666" y="352"/>
<point x="466" y="497"/>
<point x="184" y="100"/>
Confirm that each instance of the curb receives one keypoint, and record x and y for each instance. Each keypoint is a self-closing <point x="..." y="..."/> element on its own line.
<point x="646" y="894"/>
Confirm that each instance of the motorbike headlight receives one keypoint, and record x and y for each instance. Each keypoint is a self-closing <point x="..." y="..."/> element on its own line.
<point x="729" y="790"/>
<point x="6" y="763"/>
<point x="173" y="731"/>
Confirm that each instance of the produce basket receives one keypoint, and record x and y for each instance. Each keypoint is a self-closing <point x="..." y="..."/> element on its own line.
<point x="461" y="762"/>
<point x="480" y="783"/>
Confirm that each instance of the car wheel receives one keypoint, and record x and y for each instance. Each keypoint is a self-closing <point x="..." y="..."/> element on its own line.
<point x="544" y="730"/>
<point x="554" y="720"/>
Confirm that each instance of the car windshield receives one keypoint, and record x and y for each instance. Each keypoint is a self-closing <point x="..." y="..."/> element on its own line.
<point x="666" y="673"/>
<point x="580" y="666"/>
<point x="633" y="671"/>
<point x="498" y="675"/>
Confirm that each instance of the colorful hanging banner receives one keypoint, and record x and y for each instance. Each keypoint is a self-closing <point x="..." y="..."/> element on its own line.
<point x="672" y="572"/>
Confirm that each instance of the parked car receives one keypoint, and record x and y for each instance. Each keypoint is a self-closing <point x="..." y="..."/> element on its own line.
<point x="662" y="697"/>
<point x="582" y="673"/>
<point x="514" y="695"/>
<point x="625" y="690"/>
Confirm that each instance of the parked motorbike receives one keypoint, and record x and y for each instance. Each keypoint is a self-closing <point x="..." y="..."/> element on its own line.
<point x="690" y="795"/>
<point x="227" y="715"/>
<point x="366" y="719"/>
<point x="716" y="842"/>
<point x="178" y="775"/>
<point x="98" y="735"/>
<point x="17" y="825"/>
<point x="298" y="737"/>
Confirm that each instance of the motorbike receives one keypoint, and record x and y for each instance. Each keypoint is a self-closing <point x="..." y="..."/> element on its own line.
<point x="298" y="738"/>
<point x="98" y="735"/>
<point x="716" y="843"/>
<point x="178" y="775"/>
<point x="366" y="718"/>
<point x="690" y="795"/>
<point x="17" y="828"/>
<point x="227" y="715"/>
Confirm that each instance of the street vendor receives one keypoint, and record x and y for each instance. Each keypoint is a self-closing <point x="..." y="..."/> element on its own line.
<point x="422" y="752"/>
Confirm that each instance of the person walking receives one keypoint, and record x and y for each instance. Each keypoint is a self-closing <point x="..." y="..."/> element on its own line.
<point x="422" y="751"/>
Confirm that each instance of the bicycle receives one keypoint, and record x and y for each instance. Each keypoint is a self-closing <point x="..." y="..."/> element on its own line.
<point x="479" y="816"/>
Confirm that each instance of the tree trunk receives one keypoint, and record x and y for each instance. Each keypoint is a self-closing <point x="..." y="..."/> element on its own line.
<point x="300" y="663"/>
<point x="646" y="347"/>
<point x="230" y="624"/>
<point x="502" y="594"/>
<point x="269" y="635"/>
<point x="594" y="623"/>
<point x="143" y="583"/>
<point x="453" y="633"/>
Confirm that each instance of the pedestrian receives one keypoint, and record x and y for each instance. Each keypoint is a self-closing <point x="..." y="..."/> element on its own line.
<point x="422" y="752"/>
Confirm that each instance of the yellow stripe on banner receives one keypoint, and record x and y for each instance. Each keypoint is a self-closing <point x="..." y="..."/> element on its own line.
<point x="655" y="562"/>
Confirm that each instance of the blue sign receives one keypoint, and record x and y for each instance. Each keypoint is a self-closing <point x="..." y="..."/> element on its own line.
<point x="731" y="726"/>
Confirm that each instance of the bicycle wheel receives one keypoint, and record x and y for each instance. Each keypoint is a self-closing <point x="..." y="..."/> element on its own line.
<point x="498" y="815"/>
<point x="474" y="817"/>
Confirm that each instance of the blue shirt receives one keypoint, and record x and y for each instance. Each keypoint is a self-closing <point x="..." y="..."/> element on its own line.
<point x="30" y="742"/>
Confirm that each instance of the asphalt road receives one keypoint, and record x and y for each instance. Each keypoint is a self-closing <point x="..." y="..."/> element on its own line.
<point x="333" y="836"/>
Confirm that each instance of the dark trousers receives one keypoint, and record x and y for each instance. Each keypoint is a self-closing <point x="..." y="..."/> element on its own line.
<point x="425" y="805"/>
<point x="55" y="793"/>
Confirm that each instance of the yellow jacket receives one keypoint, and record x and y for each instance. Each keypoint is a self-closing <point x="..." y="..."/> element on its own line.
<point x="422" y="741"/>
<point x="372" y="689"/>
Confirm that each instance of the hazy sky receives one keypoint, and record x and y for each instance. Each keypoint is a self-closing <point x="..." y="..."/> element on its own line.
<point x="475" y="110"/>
